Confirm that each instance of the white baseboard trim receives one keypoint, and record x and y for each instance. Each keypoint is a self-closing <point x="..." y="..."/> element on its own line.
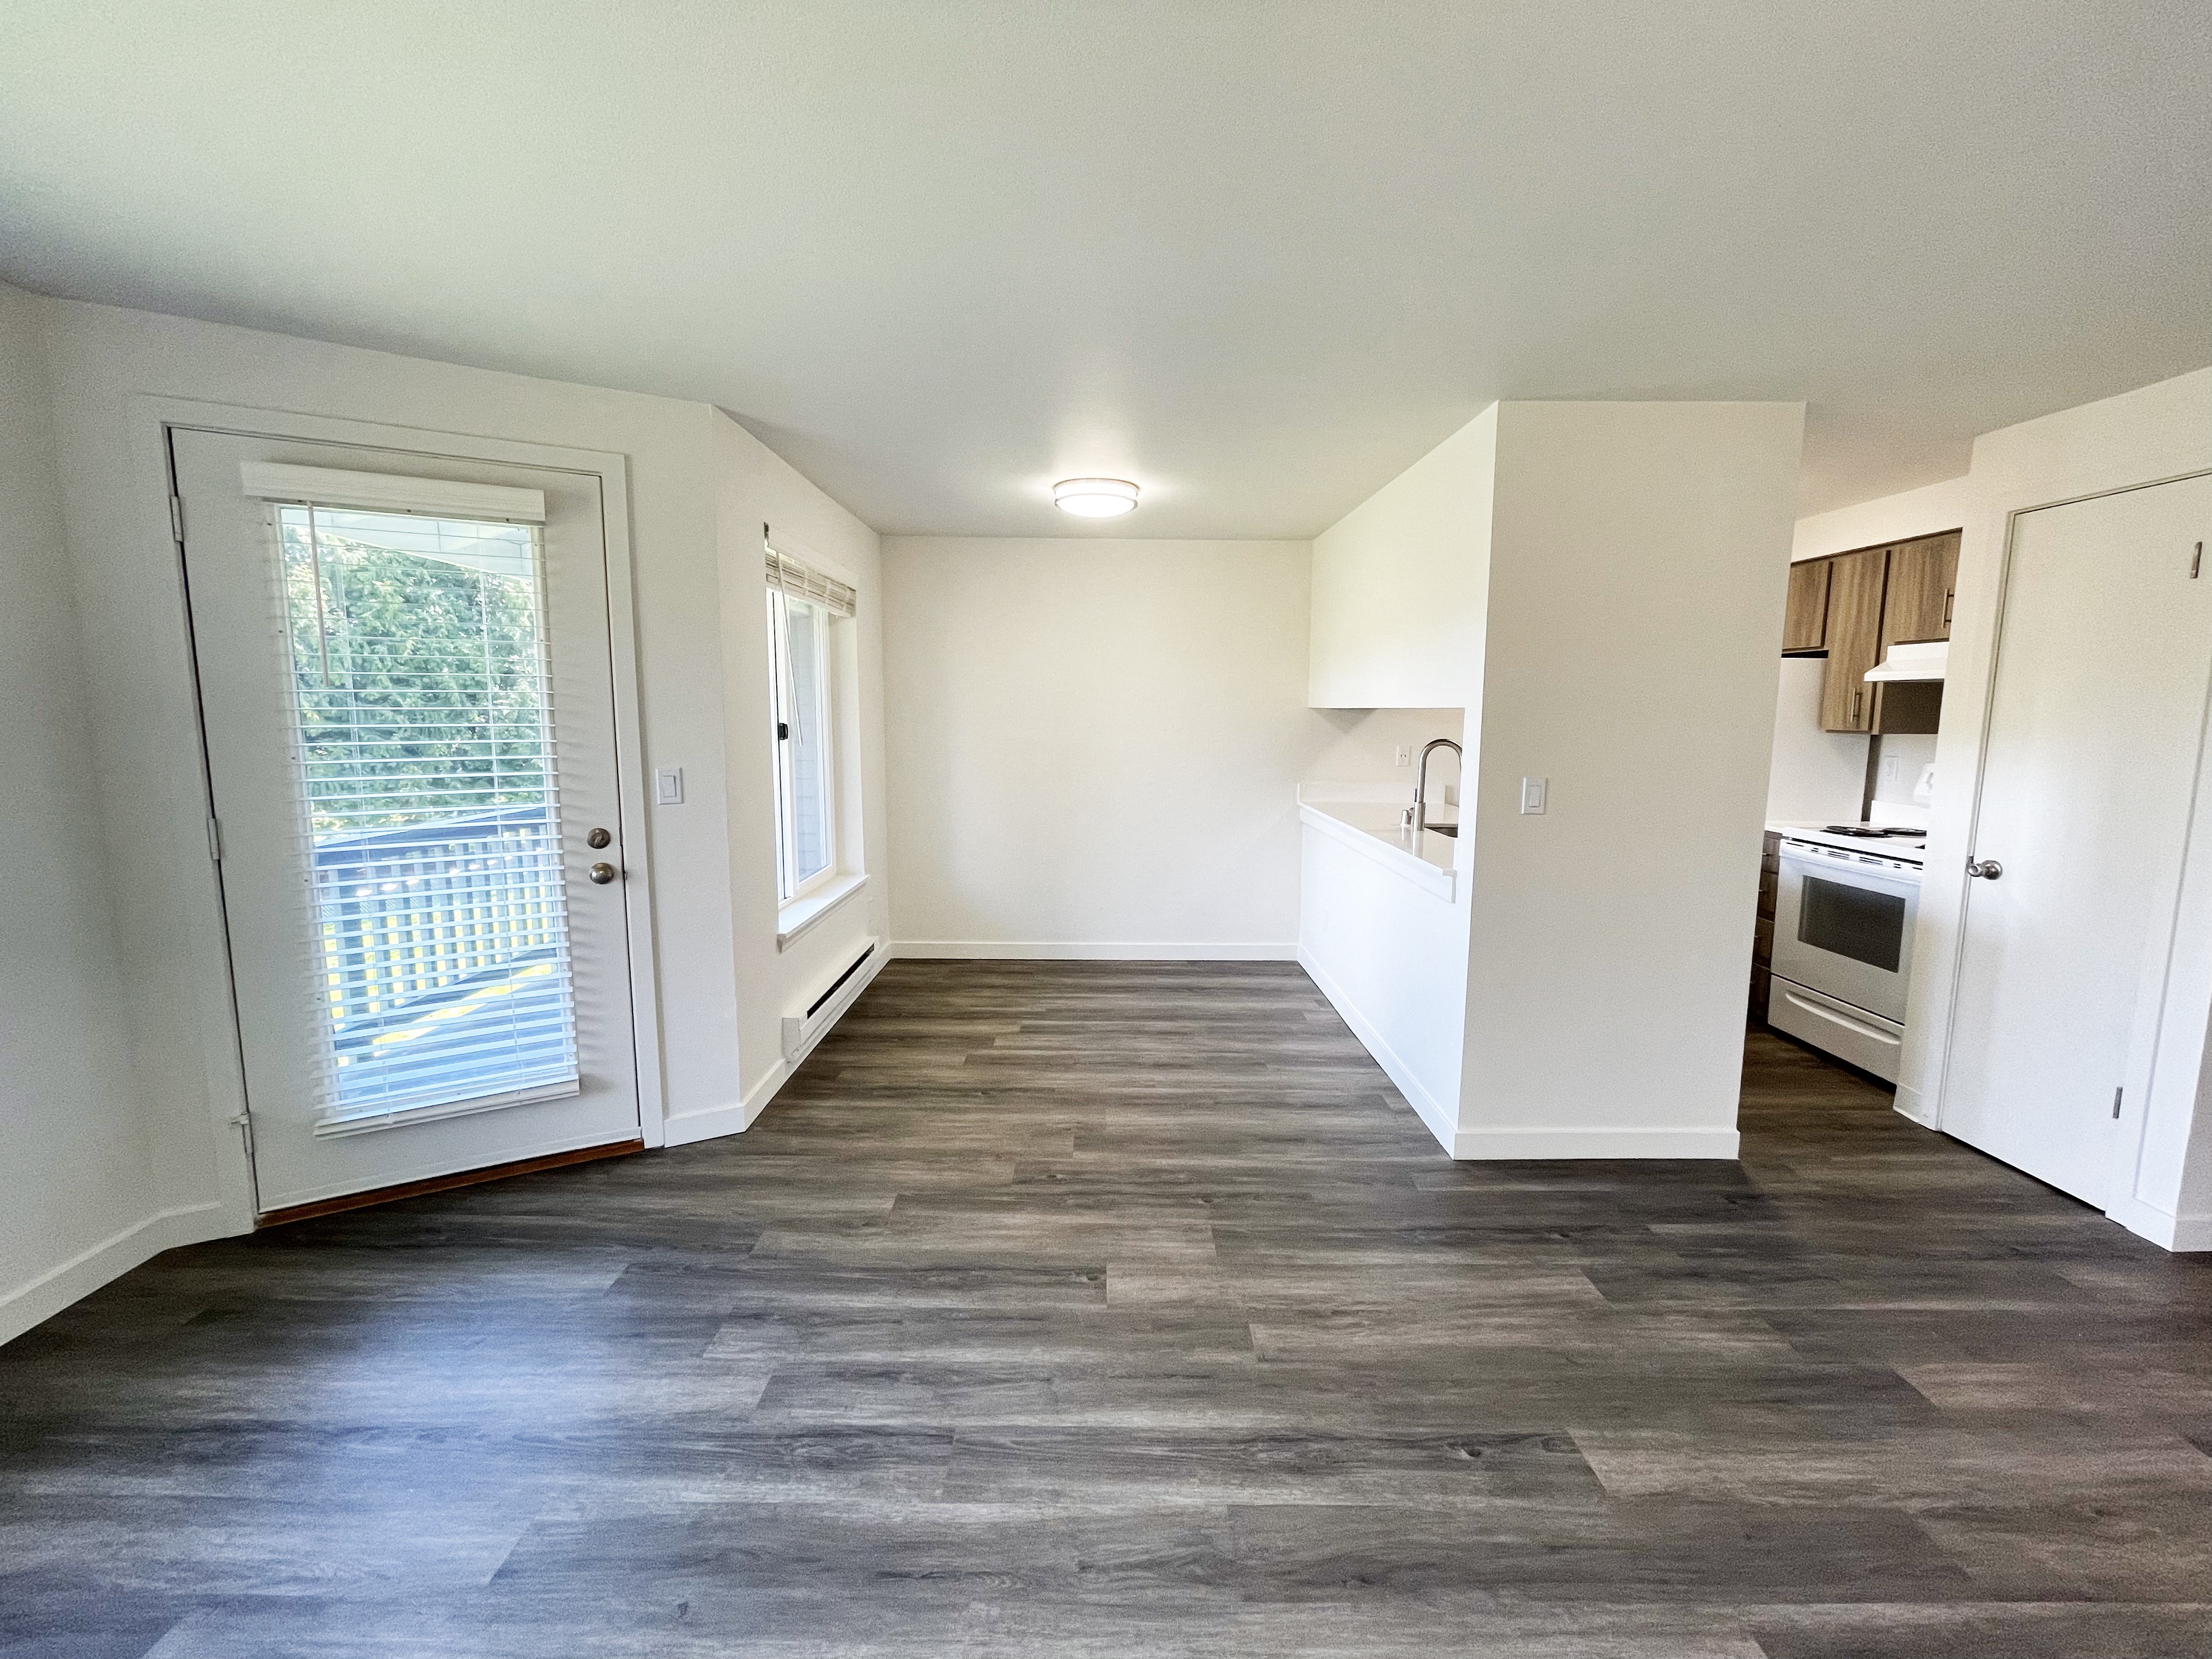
<point x="717" y="1121"/>
<point x="1602" y="1143"/>
<point x="1911" y="1105"/>
<point x="999" y="950"/>
<point x="1433" y="1116"/>
<point x="2169" y="1231"/>
<point x="711" y="1123"/>
<point x="33" y="1303"/>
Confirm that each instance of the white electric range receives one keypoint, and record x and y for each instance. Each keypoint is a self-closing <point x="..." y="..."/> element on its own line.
<point x="1845" y="904"/>
<point x="1890" y="841"/>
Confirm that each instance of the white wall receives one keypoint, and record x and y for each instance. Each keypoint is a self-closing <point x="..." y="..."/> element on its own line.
<point x="79" y="1194"/>
<point x="1928" y="511"/>
<point x="1897" y="774"/>
<point x="1635" y="594"/>
<point x="1811" y="774"/>
<point x="1094" y="745"/>
<point x="1399" y="584"/>
<point x="2161" y="431"/>
<point x="692" y="474"/>
<point x="755" y="486"/>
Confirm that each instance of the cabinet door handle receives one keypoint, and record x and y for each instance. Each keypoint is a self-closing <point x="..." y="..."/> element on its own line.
<point x="1857" y="697"/>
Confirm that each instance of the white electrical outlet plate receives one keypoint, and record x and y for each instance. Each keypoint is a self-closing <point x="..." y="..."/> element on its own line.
<point x="1533" y="791"/>
<point x="1405" y="754"/>
<point x="668" y="786"/>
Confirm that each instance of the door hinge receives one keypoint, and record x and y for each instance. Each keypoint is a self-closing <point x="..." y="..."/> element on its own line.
<point x="177" y="519"/>
<point x="2117" y="1093"/>
<point x="214" y="838"/>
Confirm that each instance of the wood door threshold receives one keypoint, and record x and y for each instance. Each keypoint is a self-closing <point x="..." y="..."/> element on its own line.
<point x="446" y="1182"/>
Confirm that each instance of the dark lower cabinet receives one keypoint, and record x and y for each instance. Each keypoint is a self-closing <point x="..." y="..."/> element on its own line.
<point x="1762" y="942"/>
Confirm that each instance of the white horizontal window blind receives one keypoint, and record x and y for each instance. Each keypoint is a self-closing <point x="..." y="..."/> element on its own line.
<point x="423" y="738"/>
<point x="797" y="580"/>
<point x="450" y="498"/>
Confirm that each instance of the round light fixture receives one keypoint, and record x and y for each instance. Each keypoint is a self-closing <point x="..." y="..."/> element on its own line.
<point x="1095" y="498"/>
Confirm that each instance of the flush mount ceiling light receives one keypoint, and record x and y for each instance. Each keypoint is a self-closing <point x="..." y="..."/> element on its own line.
<point x="1095" y="498"/>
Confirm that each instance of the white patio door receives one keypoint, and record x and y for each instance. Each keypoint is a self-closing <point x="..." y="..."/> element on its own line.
<point x="2097" y="715"/>
<point x="408" y="693"/>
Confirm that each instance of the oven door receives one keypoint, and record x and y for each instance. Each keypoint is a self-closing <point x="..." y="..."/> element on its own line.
<point x="1845" y="928"/>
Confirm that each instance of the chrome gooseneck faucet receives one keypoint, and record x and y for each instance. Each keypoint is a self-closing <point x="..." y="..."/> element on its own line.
<point x="1417" y="815"/>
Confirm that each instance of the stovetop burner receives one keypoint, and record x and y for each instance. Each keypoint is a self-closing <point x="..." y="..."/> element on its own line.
<point x="1871" y="831"/>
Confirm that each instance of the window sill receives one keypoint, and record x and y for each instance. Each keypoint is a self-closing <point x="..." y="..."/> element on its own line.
<point x="801" y="914"/>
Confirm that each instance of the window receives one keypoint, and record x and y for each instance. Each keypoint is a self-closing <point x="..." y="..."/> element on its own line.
<point x="798" y="653"/>
<point x="421" y="724"/>
<point x="804" y="607"/>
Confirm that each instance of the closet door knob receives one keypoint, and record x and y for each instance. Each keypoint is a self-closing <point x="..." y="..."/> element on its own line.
<point x="1987" y="869"/>
<point x="603" y="873"/>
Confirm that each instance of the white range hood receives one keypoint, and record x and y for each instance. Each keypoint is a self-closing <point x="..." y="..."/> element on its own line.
<point x="1922" y="660"/>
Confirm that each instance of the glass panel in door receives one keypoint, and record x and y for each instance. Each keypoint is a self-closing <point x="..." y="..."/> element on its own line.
<point x="427" y="777"/>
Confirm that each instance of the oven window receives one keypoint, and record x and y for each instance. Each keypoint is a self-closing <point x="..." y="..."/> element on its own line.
<point x="1852" y="921"/>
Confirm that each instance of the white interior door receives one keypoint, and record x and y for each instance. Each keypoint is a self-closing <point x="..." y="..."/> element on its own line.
<point x="2096" y="723"/>
<point x="408" y="693"/>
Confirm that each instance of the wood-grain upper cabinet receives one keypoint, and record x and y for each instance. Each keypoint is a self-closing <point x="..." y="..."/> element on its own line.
<point x="1922" y="577"/>
<point x="1855" y="592"/>
<point x="1805" y="623"/>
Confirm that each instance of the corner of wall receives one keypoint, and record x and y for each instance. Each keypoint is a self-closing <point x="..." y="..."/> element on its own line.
<point x="1425" y="534"/>
<point x="79" y="1196"/>
<point x="1636" y="569"/>
<point x="754" y="486"/>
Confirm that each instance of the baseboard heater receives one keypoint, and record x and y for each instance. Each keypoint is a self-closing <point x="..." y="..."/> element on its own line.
<point x="802" y="1031"/>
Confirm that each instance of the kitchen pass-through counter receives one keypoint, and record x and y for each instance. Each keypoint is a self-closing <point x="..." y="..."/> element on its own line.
<point x="1383" y="929"/>
<point x="1368" y="818"/>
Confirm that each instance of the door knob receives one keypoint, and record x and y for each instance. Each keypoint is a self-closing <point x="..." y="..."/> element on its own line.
<point x="1987" y="869"/>
<point x="603" y="873"/>
<point x="599" y="838"/>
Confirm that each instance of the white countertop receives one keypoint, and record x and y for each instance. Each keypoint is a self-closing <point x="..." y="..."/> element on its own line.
<point x="1910" y="849"/>
<point x="1372" y="827"/>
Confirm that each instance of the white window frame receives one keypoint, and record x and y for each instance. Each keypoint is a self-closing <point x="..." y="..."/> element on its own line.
<point x="782" y="706"/>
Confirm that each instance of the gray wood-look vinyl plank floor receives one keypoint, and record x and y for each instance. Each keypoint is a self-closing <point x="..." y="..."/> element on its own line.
<point x="1104" y="1309"/>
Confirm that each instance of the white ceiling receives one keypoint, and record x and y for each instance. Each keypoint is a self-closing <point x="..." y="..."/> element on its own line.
<point x="1258" y="257"/>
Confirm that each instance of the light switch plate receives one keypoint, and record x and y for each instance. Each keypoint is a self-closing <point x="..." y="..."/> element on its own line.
<point x="668" y="786"/>
<point x="1533" y="792"/>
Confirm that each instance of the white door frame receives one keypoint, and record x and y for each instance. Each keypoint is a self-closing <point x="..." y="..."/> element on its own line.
<point x="188" y="843"/>
<point x="2159" y="1010"/>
